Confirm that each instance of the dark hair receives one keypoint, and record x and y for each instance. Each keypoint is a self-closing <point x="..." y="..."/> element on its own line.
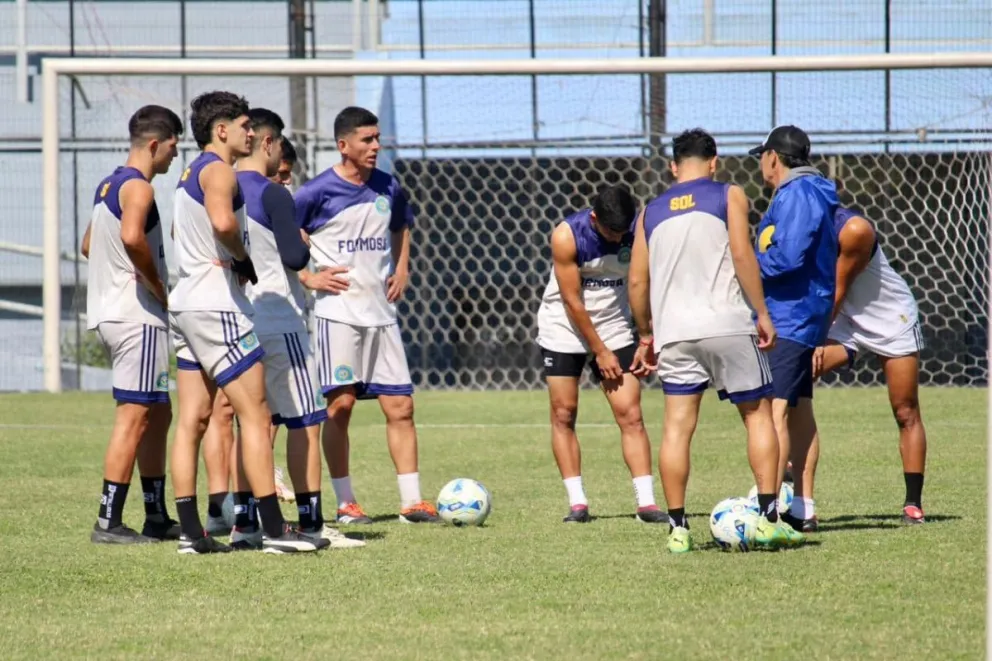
<point x="263" y="118"/>
<point x="153" y="123"/>
<point x="792" y="161"/>
<point x="210" y="108"/>
<point x="352" y="118"/>
<point x="694" y="143"/>
<point x="615" y="208"/>
<point x="288" y="151"/>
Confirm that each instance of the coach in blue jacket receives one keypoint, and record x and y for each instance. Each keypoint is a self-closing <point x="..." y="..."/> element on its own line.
<point x="797" y="253"/>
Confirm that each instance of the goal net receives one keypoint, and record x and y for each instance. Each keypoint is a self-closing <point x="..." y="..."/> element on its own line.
<point x="494" y="153"/>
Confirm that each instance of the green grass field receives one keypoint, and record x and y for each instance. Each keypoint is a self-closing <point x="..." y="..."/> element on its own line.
<point x="524" y="586"/>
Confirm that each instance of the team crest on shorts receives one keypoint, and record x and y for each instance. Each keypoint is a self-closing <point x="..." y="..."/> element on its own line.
<point x="248" y="342"/>
<point x="382" y="204"/>
<point x="162" y="383"/>
<point x="624" y="255"/>
<point x="343" y="373"/>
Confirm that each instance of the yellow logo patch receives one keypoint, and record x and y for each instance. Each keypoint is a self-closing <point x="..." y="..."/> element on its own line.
<point x="765" y="238"/>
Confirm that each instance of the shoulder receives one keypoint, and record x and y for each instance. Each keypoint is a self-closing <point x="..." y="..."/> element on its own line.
<point x="274" y="193"/>
<point x="563" y="244"/>
<point x="136" y="191"/>
<point x="857" y="233"/>
<point x="217" y="174"/>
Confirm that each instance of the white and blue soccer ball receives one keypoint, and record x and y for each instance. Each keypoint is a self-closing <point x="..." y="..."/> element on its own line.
<point x="464" y="502"/>
<point x="785" y="496"/>
<point x="732" y="524"/>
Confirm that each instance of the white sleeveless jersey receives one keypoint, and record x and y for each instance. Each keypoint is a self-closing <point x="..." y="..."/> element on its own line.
<point x="695" y="293"/>
<point x="278" y="298"/>
<point x="603" y="267"/>
<point x="351" y="225"/>
<point x="113" y="291"/>
<point x="879" y="301"/>
<point x="206" y="281"/>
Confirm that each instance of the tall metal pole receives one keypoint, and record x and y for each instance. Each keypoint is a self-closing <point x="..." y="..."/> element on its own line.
<point x="534" y="121"/>
<point x="297" y="84"/>
<point x="423" y="79"/>
<point x="75" y="201"/>
<point x="641" y="53"/>
<point x="183" y="83"/>
<point x="888" y="73"/>
<point x="657" y="47"/>
<point x="774" y="49"/>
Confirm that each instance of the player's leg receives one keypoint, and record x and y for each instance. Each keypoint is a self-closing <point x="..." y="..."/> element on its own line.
<point x="131" y="348"/>
<point x="902" y="378"/>
<point x="218" y="444"/>
<point x="338" y="381"/>
<point x="389" y="379"/>
<point x="624" y="396"/>
<point x="791" y="366"/>
<point x="802" y="429"/>
<point x="561" y="373"/>
<point x="152" y="452"/>
<point x="683" y="380"/>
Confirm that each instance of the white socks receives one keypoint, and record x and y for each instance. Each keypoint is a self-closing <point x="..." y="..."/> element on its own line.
<point x="409" y="484"/>
<point x="802" y="508"/>
<point x="342" y="490"/>
<point x="576" y="495"/>
<point x="644" y="490"/>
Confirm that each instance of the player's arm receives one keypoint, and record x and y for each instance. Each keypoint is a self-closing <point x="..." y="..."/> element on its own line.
<point x="856" y="242"/>
<point x="136" y="198"/>
<point x="399" y="234"/>
<point x="279" y="206"/>
<point x="784" y="245"/>
<point x="328" y="279"/>
<point x="746" y="264"/>
<point x="639" y="296"/>
<point x="84" y="248"/>
<point x="220" y="185"/>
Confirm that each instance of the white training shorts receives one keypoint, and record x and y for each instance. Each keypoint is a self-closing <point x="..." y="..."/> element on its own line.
<point x="291" y="386"/>
<point x="222" y="344"/>
<point x="139" y="354"/>
<point x="369" y="358"/>
<point x="845" y="332"/>
<point x="733" y="364"/>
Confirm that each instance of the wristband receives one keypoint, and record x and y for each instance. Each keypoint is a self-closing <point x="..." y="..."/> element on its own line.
<point x="646" y="343"/>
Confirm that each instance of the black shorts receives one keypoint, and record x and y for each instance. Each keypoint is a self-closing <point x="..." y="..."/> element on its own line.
<point x="571" y="364"/>
<point x="792" y="371"/>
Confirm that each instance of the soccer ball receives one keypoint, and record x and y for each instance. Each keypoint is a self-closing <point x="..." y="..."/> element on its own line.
<point x="732" y="524"/>
<point x="464" y="502"/>
<point x="785" y="496"/>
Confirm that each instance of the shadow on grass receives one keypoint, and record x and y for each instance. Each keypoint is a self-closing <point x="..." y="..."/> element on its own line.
<point x="875" y="521"/>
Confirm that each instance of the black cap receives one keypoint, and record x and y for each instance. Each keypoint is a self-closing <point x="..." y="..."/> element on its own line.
<point x="786" y="140"/>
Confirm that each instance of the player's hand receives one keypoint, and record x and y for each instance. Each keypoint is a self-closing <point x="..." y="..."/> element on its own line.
<point x="609" y="365"/>
<point x="818" y="362"/>
<point x="645" y="361"/>
<point x="396" y="285"/>
<point x="158" y="291"/>
<point x="329" y="280"/>
<point x="245" y="269"/>
<point x="766" y="332"/>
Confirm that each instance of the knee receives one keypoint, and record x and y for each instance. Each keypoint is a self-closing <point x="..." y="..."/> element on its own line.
<point x="399" y="410"/>
<point x="906" y="413"/>
<point x="160" y="417"/>
<point x="563" y="415"/>
<point x="630" y="420"/>
<point x="339" y="409"/>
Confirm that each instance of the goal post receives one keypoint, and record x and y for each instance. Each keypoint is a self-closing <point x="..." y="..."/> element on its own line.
<point x="973" y="171"/>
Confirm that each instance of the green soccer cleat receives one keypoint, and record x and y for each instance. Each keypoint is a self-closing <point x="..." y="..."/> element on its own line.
<point x="679" y="540"/>
<point x="776" y="535"/>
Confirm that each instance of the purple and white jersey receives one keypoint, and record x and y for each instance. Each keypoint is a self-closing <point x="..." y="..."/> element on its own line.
<point x="114" y="292"/>
<point x="603" y="267"/>
<point x="278" y="298"/>
<point x="879" y="301"/>
<point x="695" y="293"/>
<point x="206" y="281"/>
<point x="351" y="225"/>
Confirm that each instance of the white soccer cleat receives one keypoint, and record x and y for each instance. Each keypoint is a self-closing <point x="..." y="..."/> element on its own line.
<point x="283" y="492"/>
<point x="337" y="538"/>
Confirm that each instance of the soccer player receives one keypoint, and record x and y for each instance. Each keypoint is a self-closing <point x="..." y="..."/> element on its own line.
<point x="874" y="310"/>
<point x="694" y="281"/>
<point x="214" y="335"/>
<point x="126" y="303"/>
<point x="284" y="175"/>
<point x="585" y="318"/>
<point x="797" y="253"/>
<point x="278" y="299"/>
<point x="357" y="216"/>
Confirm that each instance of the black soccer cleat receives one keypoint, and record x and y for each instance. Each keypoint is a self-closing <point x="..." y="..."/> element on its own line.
<point x="292" y="541"/>
<point x="801" y="525"/>
<point x="651" y="514"/>
<point x="202" y="545"/>
<point x="162" y="530"/>
<point x="119" y="534"/>
<point x="579" y="514"/>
